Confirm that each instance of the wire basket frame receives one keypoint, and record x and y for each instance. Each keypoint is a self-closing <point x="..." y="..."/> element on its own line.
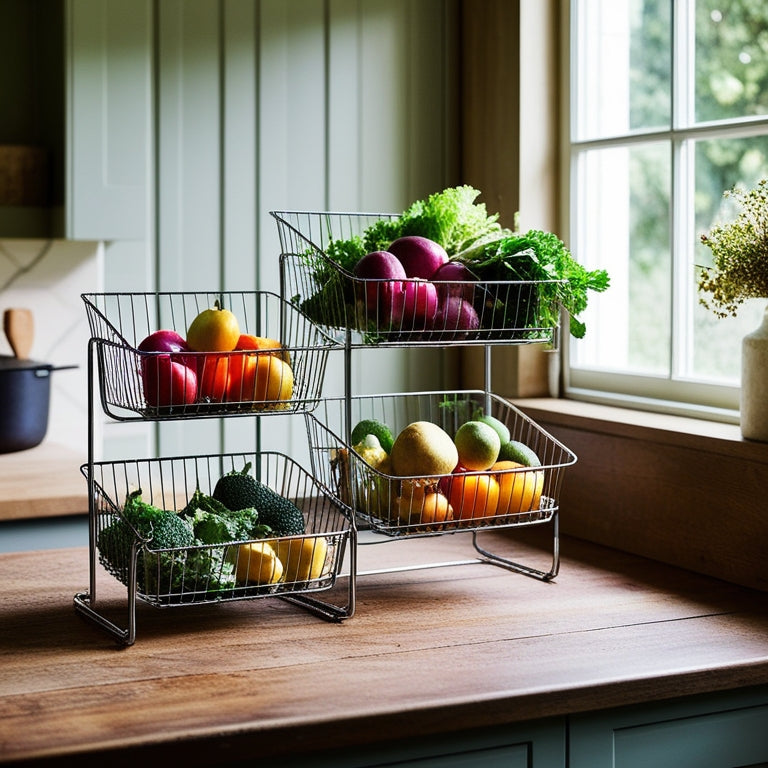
<point x="397" y="506"/>
<point x="400" y="312"/>
<point x="212" y="573"/>
<point x="284" y="374"/>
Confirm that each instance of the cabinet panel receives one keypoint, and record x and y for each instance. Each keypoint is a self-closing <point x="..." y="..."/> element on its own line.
<point x="714" y="732"/>
<point x="109" y="109"/>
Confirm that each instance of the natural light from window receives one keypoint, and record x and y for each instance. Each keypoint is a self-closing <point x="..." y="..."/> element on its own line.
<point x="668" y="109"/>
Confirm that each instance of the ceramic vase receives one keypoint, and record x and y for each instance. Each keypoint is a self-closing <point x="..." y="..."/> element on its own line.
<point x="754" y="383"/>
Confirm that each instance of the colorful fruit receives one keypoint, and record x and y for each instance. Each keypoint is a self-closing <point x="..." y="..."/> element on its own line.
<point x="263" y="377"/>
<point x="420" y="504"/>
<point x="514" y="450"/>
<point x="167" y="382"/>
<point x="518" y="491"/>
<point x="473" y="495"/>
<point x="373" y="427"/>
<point x="258" y="563"/>
<point x="213" y="330"/>
<point x="477" y="444"/>
<point x="248" y="341"/>
<point x="423" y="449"/>
<point x="213" y="377"/>
<point x="501" y="428"/>
<point x="303" y="558"/>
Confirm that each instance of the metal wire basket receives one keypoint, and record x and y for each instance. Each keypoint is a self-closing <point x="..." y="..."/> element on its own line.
<point x="400" y="312"/>
<point x="284" y="373"/>
<point x="508" y="495"/>
<point x="285" y="566"/>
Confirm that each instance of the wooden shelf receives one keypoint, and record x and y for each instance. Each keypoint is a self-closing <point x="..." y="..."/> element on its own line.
<point x="42" y="482"/>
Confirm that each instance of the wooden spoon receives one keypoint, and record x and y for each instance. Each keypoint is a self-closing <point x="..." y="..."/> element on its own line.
<point x="19" y="327"/>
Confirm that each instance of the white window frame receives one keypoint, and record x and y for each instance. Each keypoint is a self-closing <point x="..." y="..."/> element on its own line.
<point x="659" y="394"/>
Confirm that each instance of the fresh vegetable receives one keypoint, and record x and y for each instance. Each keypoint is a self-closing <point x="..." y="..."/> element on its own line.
<point x="420" y="256"/>
<point x="536" y="255"/>
<point x="274" y="510"/>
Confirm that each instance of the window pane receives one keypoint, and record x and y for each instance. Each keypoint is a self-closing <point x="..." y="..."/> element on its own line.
<point x="731" y="59"/>
<point x="623" y="66"/>
<point x="623" y="226"/>
<point x="721" y="164"/>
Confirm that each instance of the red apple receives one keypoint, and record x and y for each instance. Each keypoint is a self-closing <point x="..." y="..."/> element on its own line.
<point x="167" y="382"/>
<point x="166" y="340"/>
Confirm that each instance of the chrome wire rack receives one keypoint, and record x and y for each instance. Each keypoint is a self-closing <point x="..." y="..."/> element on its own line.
<point x="400" y="313"/>
<point x="284" y="374"/>
<point x="509" y="495"/>
<point x="289" y="567"/>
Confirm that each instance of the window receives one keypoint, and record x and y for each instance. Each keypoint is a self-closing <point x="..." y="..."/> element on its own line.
<point x="668" y="108"/>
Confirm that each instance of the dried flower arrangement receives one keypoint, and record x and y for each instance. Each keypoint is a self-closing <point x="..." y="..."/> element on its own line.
<point x="740" y="254"/>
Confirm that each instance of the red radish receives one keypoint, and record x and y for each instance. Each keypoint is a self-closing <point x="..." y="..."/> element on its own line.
<point x="384" y="292"/>
<point x="420" y="305"/>
<point x="455" y="318"/>
<point x="420" y="256"/>
<point x="454" y="279"/>
<point x="167" y="382"/>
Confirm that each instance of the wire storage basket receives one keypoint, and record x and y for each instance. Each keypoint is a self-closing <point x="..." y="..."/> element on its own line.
<point x="509" y="494"/>
<point x="401" y="312"/>
<point x="165" y="557"/>
<point x="277" y="367"/>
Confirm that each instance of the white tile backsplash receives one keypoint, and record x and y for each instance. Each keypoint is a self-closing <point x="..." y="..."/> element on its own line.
<point x="47" y="277"/>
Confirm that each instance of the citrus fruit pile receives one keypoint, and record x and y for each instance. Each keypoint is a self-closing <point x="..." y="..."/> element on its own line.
<point x="214" y="363"/>
<point x="429" y="479"/>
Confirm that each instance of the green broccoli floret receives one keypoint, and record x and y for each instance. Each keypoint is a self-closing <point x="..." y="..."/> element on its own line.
<point x="159" y="528"/>
<point x="215" y="523"/>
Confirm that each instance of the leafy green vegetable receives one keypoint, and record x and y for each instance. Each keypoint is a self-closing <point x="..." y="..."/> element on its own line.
<point x="214" y="523"/>
<point x="541" y="256"/>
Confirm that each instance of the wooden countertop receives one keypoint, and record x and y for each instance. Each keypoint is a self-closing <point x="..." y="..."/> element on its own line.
<point x="44" y="481"/>
<point x="429" y="651"/>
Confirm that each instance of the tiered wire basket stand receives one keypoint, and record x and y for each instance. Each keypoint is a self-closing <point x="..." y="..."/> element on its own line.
<point x="349" y="309"/>
<point x="199" y="574"/>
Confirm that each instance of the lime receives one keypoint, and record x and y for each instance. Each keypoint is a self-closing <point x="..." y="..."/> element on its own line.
<point x="478" y="444"/>
<point x="500" y="427"/>
<point x="373" y="427"/>
<point x="514" y="450"/>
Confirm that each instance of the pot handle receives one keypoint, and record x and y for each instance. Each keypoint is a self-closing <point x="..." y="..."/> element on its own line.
<point x="41" y="373"/>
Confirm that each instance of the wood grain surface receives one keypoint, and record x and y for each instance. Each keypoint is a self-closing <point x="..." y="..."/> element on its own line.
<point x="44" y="481"/>
<point x="429" y="652"/>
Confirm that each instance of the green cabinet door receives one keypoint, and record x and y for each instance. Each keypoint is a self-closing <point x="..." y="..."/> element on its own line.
<point x="109" y="119"/>
<point x="716" y="731"/>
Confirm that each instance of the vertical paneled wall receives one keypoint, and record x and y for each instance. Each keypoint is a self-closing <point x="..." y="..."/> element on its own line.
<point x="264" y="105"/>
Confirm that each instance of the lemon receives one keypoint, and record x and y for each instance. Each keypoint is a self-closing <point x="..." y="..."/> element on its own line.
<point x="423" y="449"/>
<point x="258" y="563"/>
<point x="302" y="558"/>
<point x="478" y="445"/>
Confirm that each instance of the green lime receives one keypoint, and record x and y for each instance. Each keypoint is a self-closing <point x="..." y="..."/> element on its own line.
<point x="376" y="428"/>
<point x="500" y="427"/>
<point x="478" y="445"/>
<point x="514" y="450"/>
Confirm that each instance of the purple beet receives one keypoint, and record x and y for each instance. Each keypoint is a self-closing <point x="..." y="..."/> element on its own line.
<point x="384" y="293"/>
<point x="452" y="279"/>
<point x="455" y="319"/>
<point x="419" y="256"/>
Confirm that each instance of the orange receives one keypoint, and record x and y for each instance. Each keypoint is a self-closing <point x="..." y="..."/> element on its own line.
<point x="473" y="495"/>
<point x="423" y="506"/>
<point x="214" y="377"/>
<point x="248" y="341"/>
<point x="518" y="491"/>
<point x="259" y="376"/>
